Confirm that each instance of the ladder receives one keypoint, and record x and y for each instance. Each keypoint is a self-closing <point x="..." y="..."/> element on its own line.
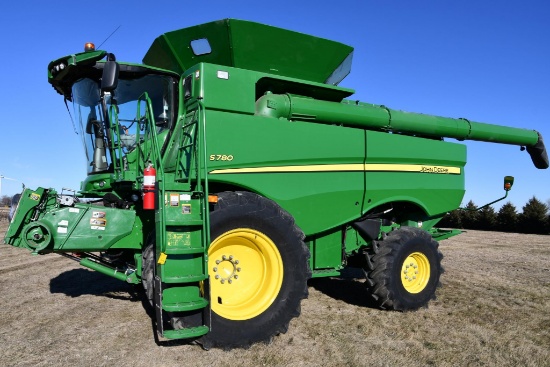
<point x="181" y="287"/>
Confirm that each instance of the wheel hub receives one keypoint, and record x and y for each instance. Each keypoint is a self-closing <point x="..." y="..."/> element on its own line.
<point x="415" y="272"/>
<point x="226" y="269"/>
<point x="411" y="271"/>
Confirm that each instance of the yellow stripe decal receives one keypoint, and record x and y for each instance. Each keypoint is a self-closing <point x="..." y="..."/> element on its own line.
<point x="346" y="167"/>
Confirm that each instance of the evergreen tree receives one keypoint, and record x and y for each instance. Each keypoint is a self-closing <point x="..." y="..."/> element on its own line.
<point x="534" y="218"/>
<point x="487" y="219"/>
<point x="451" y="220"/>
<point x="507" y="218"/>
<point x="469" y="216"/>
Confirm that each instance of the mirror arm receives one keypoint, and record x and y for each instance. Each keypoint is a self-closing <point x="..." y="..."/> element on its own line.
<point x="508" y="182"/>
<point x="486" y="205"/>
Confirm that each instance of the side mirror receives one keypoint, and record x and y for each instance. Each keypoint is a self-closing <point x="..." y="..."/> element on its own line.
<point x="508" y="182"/>
<point x="109" y="79"/>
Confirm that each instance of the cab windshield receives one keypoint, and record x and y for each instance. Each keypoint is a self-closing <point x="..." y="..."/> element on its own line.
<point x="95" y="131"/>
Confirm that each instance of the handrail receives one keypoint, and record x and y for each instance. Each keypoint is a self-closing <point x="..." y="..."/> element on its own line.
<point x="115" y="147"/>
<point x="192" y="143"/>
<point x="150" y="129"/>
<point x="202" y="152"/>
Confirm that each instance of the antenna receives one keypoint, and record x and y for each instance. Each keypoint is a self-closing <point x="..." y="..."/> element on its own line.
<point x="109" y="37"/>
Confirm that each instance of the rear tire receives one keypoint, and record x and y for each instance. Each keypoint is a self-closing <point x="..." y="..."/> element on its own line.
<point x="403" y="270"/>
<point x="258" y="267"/>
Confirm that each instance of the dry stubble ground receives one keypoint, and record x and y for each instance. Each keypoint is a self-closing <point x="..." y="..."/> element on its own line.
<point x="493" y="310"/>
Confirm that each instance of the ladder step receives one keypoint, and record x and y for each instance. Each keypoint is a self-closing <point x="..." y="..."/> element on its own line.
<point x="185" y="306"/>
<point x="185" y="279"/>
<point x="184" y="251"/>
<point x="186" y="222"/>
<point x="186" y="333"/>
<point x="325" y="273"/>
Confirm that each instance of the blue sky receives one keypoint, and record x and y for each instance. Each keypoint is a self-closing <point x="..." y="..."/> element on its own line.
<point x="487" y="61"/>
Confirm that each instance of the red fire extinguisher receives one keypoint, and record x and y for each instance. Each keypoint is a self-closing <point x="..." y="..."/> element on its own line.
<point x="149" y="178"/>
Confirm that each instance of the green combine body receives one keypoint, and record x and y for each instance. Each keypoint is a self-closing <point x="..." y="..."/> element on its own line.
<point x="229" y="168"/>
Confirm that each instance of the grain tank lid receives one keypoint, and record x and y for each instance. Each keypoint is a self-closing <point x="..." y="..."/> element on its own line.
<point x="252" y="46"/>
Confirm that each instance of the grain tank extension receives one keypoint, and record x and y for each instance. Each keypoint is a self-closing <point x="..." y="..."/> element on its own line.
<point x="222" y="174"/>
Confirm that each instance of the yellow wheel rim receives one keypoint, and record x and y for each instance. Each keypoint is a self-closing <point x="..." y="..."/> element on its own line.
<point x="246" y="273"/>
<point x="415" y="272"/>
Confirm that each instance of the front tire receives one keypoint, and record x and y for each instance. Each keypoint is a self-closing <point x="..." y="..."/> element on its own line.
<point x="404" y="269"/>
<point x="258" y="268"/>
<point x="148" y="269"/>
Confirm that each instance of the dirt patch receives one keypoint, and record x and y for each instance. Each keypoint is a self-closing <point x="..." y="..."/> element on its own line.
<point x="493" y="310"/>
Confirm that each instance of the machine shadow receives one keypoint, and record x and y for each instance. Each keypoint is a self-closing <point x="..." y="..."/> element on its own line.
<point x="79" y="282"/>
<point x="349" y="287"/>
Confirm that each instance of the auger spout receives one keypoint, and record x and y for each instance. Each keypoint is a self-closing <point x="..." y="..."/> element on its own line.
<point x="377" y="117"/>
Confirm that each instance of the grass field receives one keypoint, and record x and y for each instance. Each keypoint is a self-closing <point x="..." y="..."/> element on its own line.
<point x="493" y="310"/>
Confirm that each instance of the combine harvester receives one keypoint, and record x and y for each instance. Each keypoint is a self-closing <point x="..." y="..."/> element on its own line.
<point x="224" y="173"/>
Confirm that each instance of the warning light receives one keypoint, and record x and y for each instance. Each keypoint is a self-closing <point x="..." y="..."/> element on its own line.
<point x="89" y="46"/>
<point x="213" y="199"/>
<point x="508" y="182"/>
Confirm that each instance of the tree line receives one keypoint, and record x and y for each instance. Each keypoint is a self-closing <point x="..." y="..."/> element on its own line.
<point x="5" y="200"/>
<point x="534" y="218"/>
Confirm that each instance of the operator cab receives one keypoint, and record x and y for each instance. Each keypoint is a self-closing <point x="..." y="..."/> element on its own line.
<point x="111" y="104"/>
<point x="116" y="122"/>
